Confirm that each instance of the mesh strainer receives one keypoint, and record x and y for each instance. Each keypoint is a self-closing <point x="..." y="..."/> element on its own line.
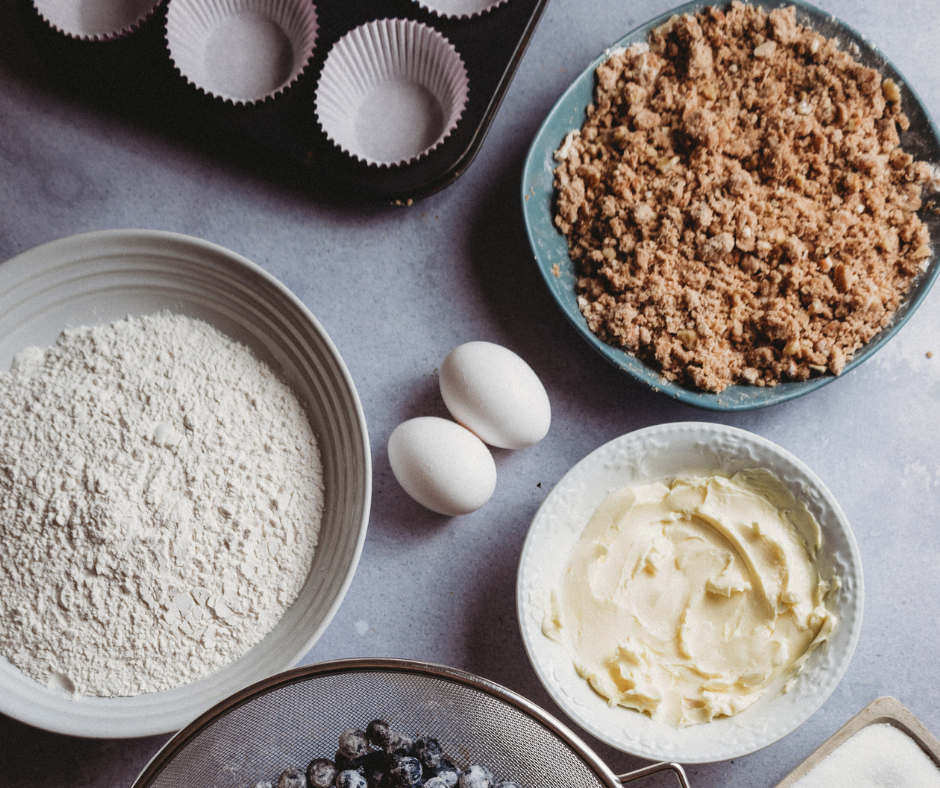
<point x="293" y="717"/>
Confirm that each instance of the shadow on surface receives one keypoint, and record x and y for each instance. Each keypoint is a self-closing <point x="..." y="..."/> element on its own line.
<point x="29" y="756"/>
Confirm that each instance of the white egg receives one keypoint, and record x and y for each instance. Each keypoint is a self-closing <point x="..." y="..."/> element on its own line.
<point x="495" y="395"/>
<point x="441" y="465"/>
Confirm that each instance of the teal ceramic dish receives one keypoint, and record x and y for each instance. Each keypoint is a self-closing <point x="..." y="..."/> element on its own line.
<point x="550" y="247"/>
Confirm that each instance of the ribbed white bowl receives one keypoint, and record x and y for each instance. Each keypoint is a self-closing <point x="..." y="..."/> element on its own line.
<point x="103" y="276"/>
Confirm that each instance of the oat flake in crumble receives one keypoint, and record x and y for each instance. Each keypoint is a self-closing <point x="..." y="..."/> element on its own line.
<point x="737" y="202"/>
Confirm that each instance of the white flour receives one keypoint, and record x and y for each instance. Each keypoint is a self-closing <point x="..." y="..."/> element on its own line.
<point x="160" y="498"/>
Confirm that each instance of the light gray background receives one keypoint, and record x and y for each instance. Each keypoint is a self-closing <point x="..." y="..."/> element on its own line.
<point x="398" y="288"/>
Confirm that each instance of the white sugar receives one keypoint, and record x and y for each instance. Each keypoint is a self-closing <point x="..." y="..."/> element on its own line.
<point x="878" y="756"/>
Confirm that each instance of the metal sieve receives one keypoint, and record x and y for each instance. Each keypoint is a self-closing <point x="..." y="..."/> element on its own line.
<point x="290" y="718"/>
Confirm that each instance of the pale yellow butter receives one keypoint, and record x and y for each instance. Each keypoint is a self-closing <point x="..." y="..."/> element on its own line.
<point x="688" y="601"/>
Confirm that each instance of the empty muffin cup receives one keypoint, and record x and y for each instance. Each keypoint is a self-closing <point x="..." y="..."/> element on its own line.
<point x="391" y="91"/>
<point x="459" y="9"/>
<point x="96" y="20"/>
<point x="243" y="51"/>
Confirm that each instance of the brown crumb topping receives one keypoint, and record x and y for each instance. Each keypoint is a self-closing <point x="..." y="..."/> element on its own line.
<point x="737" y="202"/>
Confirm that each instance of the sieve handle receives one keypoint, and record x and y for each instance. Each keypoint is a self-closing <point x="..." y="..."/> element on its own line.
<point x="656" y="767"/>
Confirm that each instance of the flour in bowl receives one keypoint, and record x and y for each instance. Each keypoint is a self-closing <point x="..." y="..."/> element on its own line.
<point x="160" y="498"/>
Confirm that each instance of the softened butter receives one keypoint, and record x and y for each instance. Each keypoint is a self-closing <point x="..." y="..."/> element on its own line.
<point x="688" y="601"/>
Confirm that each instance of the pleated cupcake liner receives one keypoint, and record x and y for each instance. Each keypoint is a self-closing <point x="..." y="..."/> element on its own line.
<point x="459" y="9"/>
<point x="96" y="20"/>
<point x="242" y="51"/>
<point x="391" y="91"/>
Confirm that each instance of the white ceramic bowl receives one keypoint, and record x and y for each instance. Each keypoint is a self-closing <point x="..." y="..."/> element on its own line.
<point x="104" y="276"/>
<point x="662" y="453"/>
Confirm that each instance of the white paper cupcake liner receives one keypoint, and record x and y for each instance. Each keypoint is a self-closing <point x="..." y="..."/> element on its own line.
<point x="243" y="51"/>
<point x="459" y="9"/>
<point x="96" y="20"/>
<point x="391" y="91"/>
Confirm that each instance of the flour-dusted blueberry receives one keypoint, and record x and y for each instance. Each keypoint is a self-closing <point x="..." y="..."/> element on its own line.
<point x="321" y="773"/>
<point x="405" y="772"/>
<point x="374" y="768"/>
<point x="399" y="762"/>
<point x="292" y="778"/>
<point x="379" y="733"/>
<point x="399" y="745"/>
<point x="353" y="743"/>
<point x="475" y="777"/>
<point x="446" y="771"/>
<point x="428" y="751"/>
<point x="351" y="779"/>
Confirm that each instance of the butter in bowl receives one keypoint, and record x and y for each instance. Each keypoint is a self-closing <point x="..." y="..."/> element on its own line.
<point x="689" y="479"/>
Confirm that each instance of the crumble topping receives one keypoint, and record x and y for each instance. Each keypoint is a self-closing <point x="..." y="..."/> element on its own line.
<point x="737" y="202"/>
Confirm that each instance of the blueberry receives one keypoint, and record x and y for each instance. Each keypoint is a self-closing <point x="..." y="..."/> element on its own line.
<point x="399" y="762"/>
<point x="405" y="772"/>
<point x="292" y="778"/>
<point x="353" y="743"/>
<point x="446" y="771"/>
<point x="350" y="779"/>
<point x="379" y="733"/>
<point x="428" y="751"/>
<point x="475" y="777"/>
<point x="321" y="773"/>
<point x="374" y="768"/>
<point x="399" y="745"/>
<point x="344" y="763"/>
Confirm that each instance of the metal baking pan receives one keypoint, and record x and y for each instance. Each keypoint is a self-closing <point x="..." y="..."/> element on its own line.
<point x="883" y="710"/>
<point x="133" y="79"/>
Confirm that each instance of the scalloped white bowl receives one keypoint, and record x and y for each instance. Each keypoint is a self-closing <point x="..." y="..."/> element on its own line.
<point x="662" y="453"/>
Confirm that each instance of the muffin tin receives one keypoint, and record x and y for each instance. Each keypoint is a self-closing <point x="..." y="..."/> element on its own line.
<point x="278" y="138"/>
